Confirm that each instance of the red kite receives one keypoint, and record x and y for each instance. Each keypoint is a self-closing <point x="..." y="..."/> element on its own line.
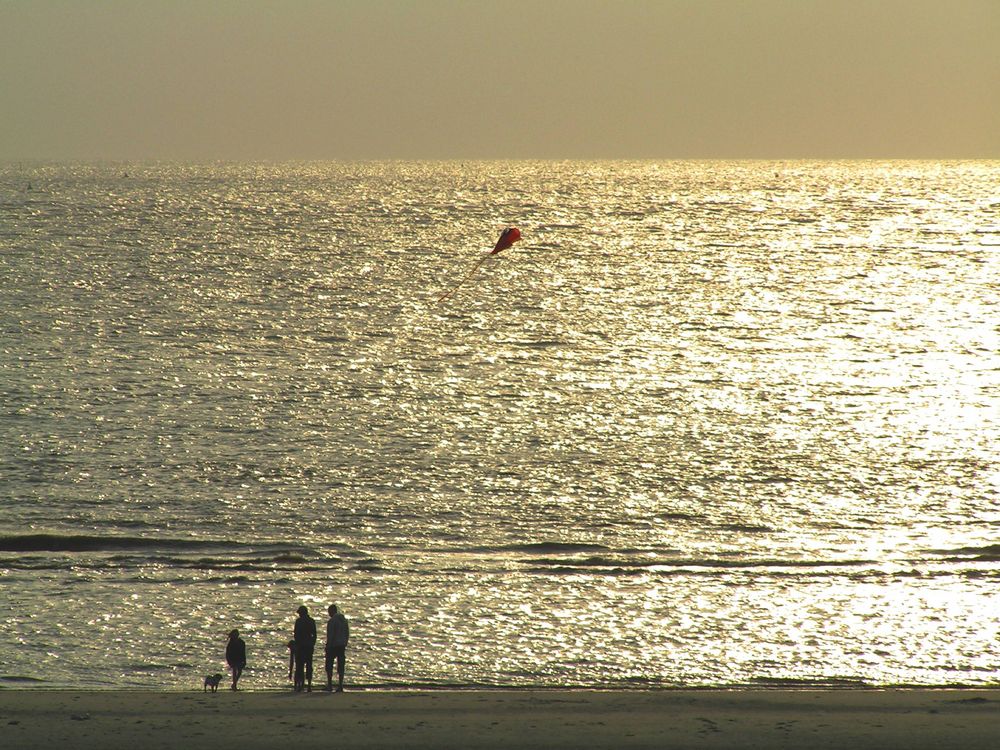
<point x="507" y="238"/>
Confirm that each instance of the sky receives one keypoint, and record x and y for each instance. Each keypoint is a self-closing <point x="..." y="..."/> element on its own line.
<point x="466" y="79"/>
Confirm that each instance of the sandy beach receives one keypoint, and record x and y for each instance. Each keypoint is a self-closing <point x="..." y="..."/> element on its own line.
<point x="853" y="719"/>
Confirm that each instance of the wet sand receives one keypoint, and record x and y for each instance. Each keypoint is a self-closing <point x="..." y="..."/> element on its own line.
<point x="848" y="719"/>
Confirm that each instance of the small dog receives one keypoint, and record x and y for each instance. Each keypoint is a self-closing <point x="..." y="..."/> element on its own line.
<point x="212" y="682"/>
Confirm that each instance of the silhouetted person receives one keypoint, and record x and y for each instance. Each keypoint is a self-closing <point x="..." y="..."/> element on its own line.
<point x="305" y="642"/>
<point x="337" y="633"/>
<point x="236" y="655"/>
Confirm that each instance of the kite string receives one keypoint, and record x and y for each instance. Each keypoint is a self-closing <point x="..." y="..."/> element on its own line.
<point x="465" y="278"/>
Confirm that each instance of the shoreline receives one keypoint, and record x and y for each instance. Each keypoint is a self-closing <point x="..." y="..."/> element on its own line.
<point x="858" y="718"/>
<point x="30" y="686"/>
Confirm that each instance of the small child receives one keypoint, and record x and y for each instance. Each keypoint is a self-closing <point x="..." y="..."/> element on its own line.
<point x="291" y="663"/>
<point x="236" y="655"/>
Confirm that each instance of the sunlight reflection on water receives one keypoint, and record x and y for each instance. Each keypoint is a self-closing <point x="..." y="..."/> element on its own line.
<point x="709" y="423"/>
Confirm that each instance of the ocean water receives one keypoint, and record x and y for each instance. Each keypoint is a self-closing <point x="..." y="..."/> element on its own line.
<point x="707" y="424"/>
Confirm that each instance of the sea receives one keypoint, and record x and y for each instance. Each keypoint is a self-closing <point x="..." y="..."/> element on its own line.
<point x="708" y="424"/>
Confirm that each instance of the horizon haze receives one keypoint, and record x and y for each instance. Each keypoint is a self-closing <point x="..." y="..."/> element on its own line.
<point x="442" y="79"/>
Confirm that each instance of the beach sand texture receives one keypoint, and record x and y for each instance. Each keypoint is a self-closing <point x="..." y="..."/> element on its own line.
<point x="854" y="719"/>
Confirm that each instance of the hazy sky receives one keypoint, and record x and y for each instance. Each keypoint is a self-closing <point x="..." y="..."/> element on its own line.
<point x="333" y="79"/>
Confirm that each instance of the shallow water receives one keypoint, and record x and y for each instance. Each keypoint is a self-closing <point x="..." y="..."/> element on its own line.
<point x="709" y="423"/>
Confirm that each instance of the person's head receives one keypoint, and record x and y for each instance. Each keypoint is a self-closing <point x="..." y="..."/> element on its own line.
<point x="234" y="634"/>
<point x="303" y="610"/>
<point x="332" y="609"/>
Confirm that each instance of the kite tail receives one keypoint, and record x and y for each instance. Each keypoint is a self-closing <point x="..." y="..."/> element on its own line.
<point x="465" y="278"/>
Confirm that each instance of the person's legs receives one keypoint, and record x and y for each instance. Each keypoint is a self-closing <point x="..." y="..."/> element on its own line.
<point x="300" y="665"/>
<point x="309" y="671"/>
<point x="341" y="666"/>
<point x="329" y="669"/>
<point x="237" y="671"/>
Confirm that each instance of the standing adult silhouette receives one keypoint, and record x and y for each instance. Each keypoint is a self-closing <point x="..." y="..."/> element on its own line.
<point x="337" y="633"/>
<point x="305" y="642"/>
